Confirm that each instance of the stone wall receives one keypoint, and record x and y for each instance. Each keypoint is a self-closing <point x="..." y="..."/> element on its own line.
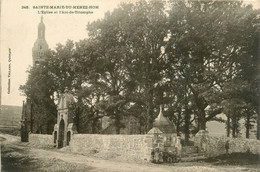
<point x="214" y="146"/>
<point x="125" y="147"/>
<point x="41" y="140"/>
<point x="122" y="147"/>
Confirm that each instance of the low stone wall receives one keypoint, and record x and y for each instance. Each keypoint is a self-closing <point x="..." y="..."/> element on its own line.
<point x="41" y="140"/>
<point x="122" y="147"/>
<point x="125" y="147"/>
<point x="214" y="146"/>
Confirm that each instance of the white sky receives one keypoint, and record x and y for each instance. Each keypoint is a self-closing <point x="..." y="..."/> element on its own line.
<point x="19" y="32"/>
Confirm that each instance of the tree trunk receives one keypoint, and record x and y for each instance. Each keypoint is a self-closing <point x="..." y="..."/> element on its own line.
<point x="178" y="123"/>
<point x="94" y="126"/>
<point x="78" y="112"/>
<point x="117" y="124"/>
<point x="203" y="125"/>
<point x="187" y="127"/>
<point x="149" y="115"/>
<point x="140" y="126"/>
<point x="149" y="108"/>
<point x="228" y="126"/>
<point x="234" y="127"/>
<point x="258" y="127"/>
<point x="233" y="132"/>
<point x="247" y="125"/>
<point x="31" y="106"/>
<point x="77" y="120"/>
<point x="202" y="120"/>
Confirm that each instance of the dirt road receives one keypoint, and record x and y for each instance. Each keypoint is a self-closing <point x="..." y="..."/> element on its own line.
<point x="17" y="156"/>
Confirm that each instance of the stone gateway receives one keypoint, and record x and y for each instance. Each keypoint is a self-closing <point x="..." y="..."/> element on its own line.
<point x="64" y="127"/>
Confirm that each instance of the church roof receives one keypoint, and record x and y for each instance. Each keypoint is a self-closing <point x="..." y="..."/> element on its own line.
<point x="164" y="124"/>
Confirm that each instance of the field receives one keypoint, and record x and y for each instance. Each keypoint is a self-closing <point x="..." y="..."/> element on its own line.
<point x="10" y="117"/>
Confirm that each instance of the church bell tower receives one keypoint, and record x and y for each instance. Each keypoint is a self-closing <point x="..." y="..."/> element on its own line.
<point x="40" y="46"/>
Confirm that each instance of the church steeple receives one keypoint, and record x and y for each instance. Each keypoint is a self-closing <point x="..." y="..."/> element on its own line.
<point x="40" y="46"/>
<point x="41" y="29"/>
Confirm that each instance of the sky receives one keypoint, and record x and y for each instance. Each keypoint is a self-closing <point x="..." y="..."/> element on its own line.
<point x="18" y="32"/>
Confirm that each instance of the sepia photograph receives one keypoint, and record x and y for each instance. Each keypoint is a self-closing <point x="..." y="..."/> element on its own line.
<point x="129" y="85"/>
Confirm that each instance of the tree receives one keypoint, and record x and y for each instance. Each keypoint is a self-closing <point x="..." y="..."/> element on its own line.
<point x="84" y="64"/>
<point x="146" y="30"/>
<point x="203" y="47"/>
<point x="208" y="66"/>
<point x="109" y="72"/>
<point x="249" y="71"/>
<point x="245" y="79"/>
<point x="179" y="108"/>
<point x="131" y="38"/>
<point x="60" y="62"/>
<point x="40" y="89"/>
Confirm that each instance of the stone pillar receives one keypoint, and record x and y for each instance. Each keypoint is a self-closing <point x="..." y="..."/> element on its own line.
<point x="71" y="130"/>
<point x="155" y="143"/>
<point x="200" y="140"/>
<point x="178" y="145"/>
<point x="149" y="143"/>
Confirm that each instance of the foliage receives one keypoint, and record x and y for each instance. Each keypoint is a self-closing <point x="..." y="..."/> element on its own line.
<point x="198" y="59"/>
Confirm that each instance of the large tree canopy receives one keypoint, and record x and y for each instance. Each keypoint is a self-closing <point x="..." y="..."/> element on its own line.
<point x="208" y="42"/>
<point x="198" y="59"/>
